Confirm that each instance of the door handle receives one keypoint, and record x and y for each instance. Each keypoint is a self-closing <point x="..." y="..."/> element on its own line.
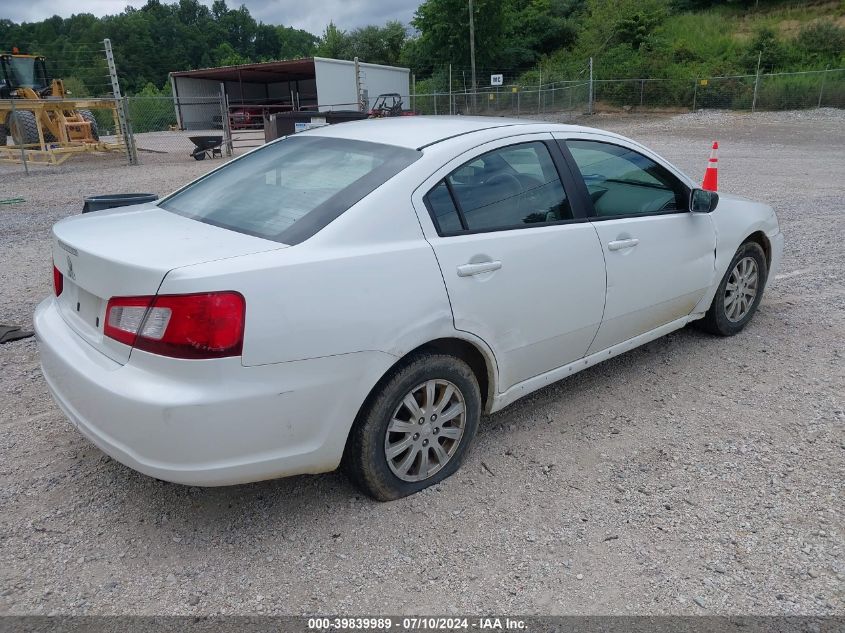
<point x="617" y="245"/>
<point x="467" y="270"/>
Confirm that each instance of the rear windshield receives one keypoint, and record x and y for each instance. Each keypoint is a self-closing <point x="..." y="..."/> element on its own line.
<point x="290" y="189"/>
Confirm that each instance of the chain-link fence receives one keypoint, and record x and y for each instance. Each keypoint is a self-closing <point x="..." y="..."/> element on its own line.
<point x="773" y="91"/>
<point x="169" y="128"/>
<point x="565" y="97"/>
<point x="163" y="127"/>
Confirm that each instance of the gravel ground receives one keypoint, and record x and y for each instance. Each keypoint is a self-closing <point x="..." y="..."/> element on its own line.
<point x="693" y="475"/>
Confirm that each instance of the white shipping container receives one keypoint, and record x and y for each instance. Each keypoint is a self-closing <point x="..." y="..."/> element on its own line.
<point x="336" y="83"/>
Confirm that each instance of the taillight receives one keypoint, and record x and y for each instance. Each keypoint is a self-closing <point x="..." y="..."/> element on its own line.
<point x="207" y="325"/>
<point x="58" y="280"/>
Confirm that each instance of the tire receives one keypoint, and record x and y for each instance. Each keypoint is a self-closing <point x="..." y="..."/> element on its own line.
<point x="23" y="128"/>
<point x="729" y="314"/>
<point x="87" y="115"/>
<point x="366" y="455"/>
<point x="199" y="156"/>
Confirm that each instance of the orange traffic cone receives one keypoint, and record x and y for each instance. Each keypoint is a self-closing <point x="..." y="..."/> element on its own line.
<point x="711" y="175"/>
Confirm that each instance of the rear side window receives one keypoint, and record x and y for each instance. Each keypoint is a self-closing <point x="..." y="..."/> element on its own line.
<point x="287" y="191"/>
<point x="621" y="181"/>
<point x="508" y="188"/>
<point x="443" y="209"/>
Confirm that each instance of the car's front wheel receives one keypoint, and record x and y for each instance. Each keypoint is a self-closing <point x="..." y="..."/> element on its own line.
<point x="739" y="293"/>
<point x="417" y="429"/>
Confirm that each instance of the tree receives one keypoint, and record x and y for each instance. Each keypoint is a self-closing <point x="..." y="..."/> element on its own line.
<point x="333" y="43"/>
<point x="377" y="44"/>
<point x="539" y="27"/>
<point x="622" y="22"/>
<point x="444" y="32"/>
<point x="225" y="55"/>
<point x="766" y="46"/>
<point x="294" y="43"/>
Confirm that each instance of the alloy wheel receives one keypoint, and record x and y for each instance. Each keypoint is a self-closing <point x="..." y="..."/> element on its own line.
<point x="425" y="430"/>
<point x="741" y="289"/>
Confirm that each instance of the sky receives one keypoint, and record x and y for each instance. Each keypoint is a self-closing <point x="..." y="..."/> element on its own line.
<point x="311" y="16"/>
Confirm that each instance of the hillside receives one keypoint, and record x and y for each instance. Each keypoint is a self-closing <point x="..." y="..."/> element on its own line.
<point x="647" y="39"/>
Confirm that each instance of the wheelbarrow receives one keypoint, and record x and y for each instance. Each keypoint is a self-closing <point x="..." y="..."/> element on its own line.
<point x="206" y="146"/>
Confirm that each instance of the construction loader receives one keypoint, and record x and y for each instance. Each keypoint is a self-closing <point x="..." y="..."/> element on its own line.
<point x="25" y="78"/>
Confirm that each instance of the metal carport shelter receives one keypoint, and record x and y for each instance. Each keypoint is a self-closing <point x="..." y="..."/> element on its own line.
<point x="299" y="84"/>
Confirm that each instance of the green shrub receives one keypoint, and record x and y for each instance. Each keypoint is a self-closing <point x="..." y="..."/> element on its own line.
<point x="822" y="42"/>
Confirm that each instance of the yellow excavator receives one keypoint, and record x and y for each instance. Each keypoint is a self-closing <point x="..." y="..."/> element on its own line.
<point x="25" y="77"/>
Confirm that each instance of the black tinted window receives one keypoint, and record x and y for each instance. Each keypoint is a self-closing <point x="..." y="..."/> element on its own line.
<point x="289" y="190"/>
<point x="509" y="188"/>
<point x="622" y="182"/>
<point x="443" y="209"/>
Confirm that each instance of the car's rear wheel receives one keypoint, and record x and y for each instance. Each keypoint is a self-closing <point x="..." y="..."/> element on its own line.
<point x="739" y="293"/>
<point x="417" y="429"/>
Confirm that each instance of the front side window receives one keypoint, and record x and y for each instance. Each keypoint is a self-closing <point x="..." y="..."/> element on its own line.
<point x="507" y="188"/>
<point x="622" y="182"/>
<point x="289" y="190"/>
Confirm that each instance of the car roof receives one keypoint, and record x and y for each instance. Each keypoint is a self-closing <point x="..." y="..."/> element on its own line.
<point x="418" y="132"/>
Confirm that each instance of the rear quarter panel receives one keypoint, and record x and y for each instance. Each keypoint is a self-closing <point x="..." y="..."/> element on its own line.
<point x="367" y="282"/>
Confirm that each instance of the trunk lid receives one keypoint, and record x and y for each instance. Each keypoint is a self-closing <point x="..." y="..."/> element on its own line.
<point x="127" y="252"/>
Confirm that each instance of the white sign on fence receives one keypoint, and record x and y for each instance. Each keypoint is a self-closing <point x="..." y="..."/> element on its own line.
<point x="497" y="80"/>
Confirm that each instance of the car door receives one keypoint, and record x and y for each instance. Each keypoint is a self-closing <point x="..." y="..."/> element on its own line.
<point x="522" y="265"/>
<point x="660" y="257"/>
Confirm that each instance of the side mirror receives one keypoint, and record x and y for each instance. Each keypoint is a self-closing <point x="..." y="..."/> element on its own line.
<point x="702" y="201"/>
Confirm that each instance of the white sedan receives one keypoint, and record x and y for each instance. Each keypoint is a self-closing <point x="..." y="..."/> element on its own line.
<point x="361" y="293"/>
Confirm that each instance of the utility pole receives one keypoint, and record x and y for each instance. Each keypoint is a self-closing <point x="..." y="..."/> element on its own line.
<point x="472" y="54"/>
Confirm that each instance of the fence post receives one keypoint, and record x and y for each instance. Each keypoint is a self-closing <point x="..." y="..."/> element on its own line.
<point x="358" y="85"/>
<point x="128" y="137"/>
<point x="756" y="83"/>
<point x="450" y="89"/>
<point x="122" y="110"/>
<point x="590" y="98"/>
<point x="539" y="88"/>
<point x="642" y="91"/>
<point x="224" y="113"/>
<point x="413" y="92"/>
<point x="821" y="90"/>
<point x="435" y="103"/>
<point x="694" y="93"/>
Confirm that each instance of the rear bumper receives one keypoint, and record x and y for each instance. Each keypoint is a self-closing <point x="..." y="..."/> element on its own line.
<point x="206" y="423"/>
